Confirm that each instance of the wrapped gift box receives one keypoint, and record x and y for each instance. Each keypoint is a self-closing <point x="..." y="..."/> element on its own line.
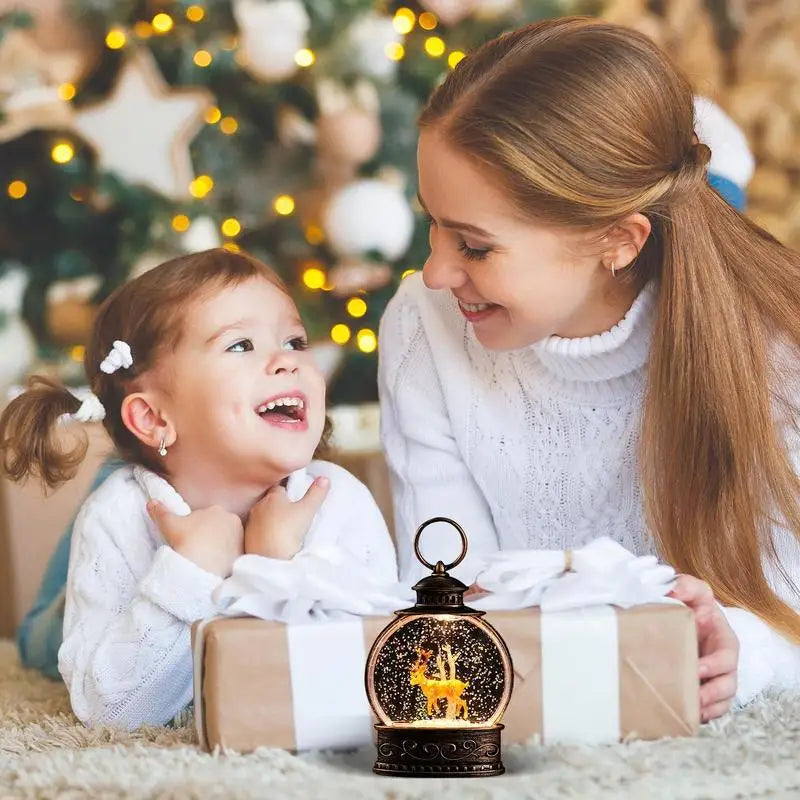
<point x="594" y="675"/>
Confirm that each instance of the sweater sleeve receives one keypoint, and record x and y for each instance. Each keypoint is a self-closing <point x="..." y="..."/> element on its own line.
<point x="126" y="656"/>
<point x="766" y="658"/>
<point x="427" y="472"/>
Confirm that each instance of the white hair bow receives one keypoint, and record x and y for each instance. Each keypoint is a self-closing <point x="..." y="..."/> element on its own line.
<point x="91" y="409"/>
<point x="119" y="357"/>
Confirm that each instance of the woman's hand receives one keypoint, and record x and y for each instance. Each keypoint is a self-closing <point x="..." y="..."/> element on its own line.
<point x="277" y="527"/>
<point x="212" y="538"/>
<point x="717" y="643"/>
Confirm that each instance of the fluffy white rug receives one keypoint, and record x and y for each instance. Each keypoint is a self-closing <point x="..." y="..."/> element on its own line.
<point x="46" y="753"/>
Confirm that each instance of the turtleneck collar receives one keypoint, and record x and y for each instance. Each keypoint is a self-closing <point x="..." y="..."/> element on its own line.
<point x="604" y="356"/>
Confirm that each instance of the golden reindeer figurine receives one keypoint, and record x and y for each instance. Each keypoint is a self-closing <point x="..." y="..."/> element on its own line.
<point x="443" y="687"/>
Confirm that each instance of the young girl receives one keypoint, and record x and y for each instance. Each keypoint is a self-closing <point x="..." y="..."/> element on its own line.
<point x="598" y="344"/>
<point x="200" y="374"/>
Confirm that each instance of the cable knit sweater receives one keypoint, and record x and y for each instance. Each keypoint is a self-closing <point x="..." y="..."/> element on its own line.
<point x="131" y="599"/>
<point x="532" y="448"/>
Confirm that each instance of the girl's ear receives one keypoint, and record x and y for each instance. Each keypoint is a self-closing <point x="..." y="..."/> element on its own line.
<point x="142" y="417"/>
<point x="625" y="241"/>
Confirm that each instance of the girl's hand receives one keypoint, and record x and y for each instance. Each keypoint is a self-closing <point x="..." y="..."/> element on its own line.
<point x="212" y="538"/>
<point x="718" y="647"/>
<point x="276" y="526"/>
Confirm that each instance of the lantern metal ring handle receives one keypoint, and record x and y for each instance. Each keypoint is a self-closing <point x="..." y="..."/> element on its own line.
<point x="452" y="564"/>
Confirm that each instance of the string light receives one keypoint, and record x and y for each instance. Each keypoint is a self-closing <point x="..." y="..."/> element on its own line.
<point x="143" y="29"/>
<point x="304" y="57"/>
<point x="231" y="227"/>
<point x="434" y="46"/>
<point x="404" y="20"/>
<point x="181" y="223"/>
<point x="366" y="340"/>
<point x="195" y="13"/>
<point x="78" y="353"/>
<point x="62" y="152"/>
<point x="340" y="333"/>
<point x="395" y="51"/>
<point x="67" y="91"/>
<point x="116" y="39"/>
<point x="284" y="205"/>
<point x="454" y="58"/>
<point x="428" y="21"/>
<point x="315" y="234"/>
<point x="202" y="58"/>
<point x="232" y="247"/>
<point x="213" y="115"/>
<point x="356" y="307"/>
<point x="229" y="126"/>
<point x="407" y="272"/>
<point x="162" y="23"/>
<point x="201" y="186"/>
<point x="17" y="190"/>
<point x="314" y="278"/>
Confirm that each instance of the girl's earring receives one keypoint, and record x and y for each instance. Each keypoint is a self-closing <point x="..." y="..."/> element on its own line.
<point x="613" y="270"/>
<point x="162" y="448"/>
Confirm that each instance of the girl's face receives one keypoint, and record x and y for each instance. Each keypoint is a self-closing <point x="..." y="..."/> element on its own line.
<point x="515" y="281"/>
<point x="244" y="393"/>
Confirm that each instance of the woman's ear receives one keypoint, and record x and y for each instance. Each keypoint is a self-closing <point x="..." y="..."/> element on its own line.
<point x="625" y="241"/>
<point x="141" y="416"/>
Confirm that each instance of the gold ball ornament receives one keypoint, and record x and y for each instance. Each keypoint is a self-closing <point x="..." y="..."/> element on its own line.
<point x="352" y="135"/>
<point x="355" y="275"/>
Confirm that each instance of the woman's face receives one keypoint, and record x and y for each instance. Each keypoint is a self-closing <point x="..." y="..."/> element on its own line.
<point x="515" y="281"/>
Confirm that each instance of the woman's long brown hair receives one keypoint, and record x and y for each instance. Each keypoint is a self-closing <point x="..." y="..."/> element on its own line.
<point x="585" y="122"/>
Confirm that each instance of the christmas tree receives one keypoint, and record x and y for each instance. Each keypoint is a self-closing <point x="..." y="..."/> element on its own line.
<point x="135" y="130"/>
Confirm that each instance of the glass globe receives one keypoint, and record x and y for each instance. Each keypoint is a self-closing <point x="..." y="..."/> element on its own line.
<point x="439" y="678"/>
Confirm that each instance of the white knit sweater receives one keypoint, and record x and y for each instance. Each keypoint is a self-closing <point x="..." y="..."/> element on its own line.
<point x="131" y="599"/>
<point x="531" y="448"/>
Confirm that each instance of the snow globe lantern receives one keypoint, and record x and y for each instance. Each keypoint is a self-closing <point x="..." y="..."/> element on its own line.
<point x="439" y="678"/>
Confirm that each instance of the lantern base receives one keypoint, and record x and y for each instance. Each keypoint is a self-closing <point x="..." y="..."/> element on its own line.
<point x="438" y="752"/>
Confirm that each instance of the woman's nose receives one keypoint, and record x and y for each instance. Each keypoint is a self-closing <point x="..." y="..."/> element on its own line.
<point x="439" y="272"/>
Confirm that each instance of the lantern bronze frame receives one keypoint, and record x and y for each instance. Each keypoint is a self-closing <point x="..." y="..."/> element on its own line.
<point x="439" y="752"/>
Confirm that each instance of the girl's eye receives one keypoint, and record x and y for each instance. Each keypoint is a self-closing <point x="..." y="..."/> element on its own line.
<point x="242" y="346"/>
<point x="472" y="253"/>
<point x="297" y="343"/>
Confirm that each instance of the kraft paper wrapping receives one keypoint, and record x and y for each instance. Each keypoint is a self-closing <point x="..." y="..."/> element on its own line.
<point x="246" y="684"/>
<point x="247" y="690"/>
<point x="658" y="678"/>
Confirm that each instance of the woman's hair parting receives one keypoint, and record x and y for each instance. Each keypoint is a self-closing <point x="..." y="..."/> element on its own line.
<point x="136" y="326"/>
<point x="584" y="122"/>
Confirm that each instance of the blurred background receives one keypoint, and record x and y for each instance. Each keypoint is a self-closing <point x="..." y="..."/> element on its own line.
<point x="134" y="130"/>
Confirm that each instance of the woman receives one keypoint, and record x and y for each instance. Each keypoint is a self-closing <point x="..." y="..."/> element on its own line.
<point x="598" y="344"/>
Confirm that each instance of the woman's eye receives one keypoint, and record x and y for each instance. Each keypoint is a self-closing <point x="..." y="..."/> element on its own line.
<point x="472" y="253"/>
<point x="242" y="346"/>
<point x="296" y="343"/>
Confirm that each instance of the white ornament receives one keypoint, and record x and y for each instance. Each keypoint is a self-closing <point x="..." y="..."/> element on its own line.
<point x="143" y="130"/>
<point x="16" y="342"/>
<point x="368" y="39"/>
<point x="449" y="12"/>
<point x="368" y="215"/>
<point x="488" y="9"/>
<point x="271" y="33"/>
<point x="203" y="234"/>
<point x="80" y="289"/>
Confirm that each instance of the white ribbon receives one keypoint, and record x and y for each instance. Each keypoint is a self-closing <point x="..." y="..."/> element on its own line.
<point x="91" y="409"/>
<point x="601" y="573"/>
<point x="317" y="584"/>
<point x="119" y="357"/>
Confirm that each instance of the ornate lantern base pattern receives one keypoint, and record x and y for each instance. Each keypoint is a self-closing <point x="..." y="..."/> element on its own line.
<point x="438" y="752"/>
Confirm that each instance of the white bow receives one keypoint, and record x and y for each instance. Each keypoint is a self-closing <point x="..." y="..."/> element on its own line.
<point x="602" y="573"/>
<point x="316" y="584"/>
<point x="118" y="357"/>
<point x="91" y="409"/>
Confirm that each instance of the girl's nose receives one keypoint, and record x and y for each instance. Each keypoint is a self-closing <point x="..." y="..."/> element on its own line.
<point x="282" y="361"/>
